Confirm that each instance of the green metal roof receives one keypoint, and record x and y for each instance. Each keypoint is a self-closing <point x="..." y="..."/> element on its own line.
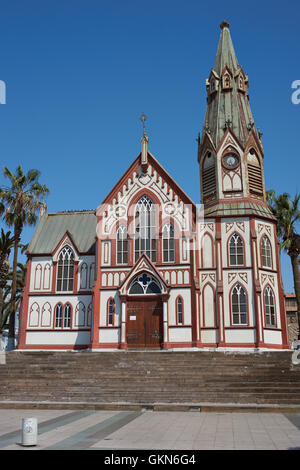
<point x="81" y="225"/>
<point x="229" y="106"/>
<point x="241" y="209"/>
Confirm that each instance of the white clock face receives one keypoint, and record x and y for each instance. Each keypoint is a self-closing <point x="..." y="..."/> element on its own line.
<point x="231" y="160"/>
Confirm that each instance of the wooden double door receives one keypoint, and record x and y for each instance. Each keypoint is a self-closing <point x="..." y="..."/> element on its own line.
<point x="144" y="322"/>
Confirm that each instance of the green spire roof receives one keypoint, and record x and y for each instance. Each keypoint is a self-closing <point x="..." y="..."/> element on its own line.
<point x="227" y="89"/>
<point x="225" y="54"/>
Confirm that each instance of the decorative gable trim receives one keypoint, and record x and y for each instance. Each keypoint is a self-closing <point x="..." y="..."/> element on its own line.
<point x="67" y="239"/>
<point x="229" y="138"/>
<point x="143" y="264"/>
<point x="159" y="186"/>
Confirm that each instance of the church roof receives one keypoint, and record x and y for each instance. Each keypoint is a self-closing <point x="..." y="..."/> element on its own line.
<point x="81" y="225"/>
<point x="238" y="209"/>
<point x="227" y="107"/>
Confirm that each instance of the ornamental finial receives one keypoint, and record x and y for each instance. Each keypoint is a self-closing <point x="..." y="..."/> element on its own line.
<point x="143" y="118"/>
<point x="224" y="24"/>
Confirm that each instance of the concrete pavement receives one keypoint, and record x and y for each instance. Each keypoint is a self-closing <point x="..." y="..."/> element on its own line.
<point x="150" y="430"/>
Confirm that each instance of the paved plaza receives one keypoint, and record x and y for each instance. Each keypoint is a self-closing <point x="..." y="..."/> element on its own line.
<point x="146" y="430"/>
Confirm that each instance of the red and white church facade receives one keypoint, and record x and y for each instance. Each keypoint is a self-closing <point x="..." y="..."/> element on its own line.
<point x="150" y="268"/>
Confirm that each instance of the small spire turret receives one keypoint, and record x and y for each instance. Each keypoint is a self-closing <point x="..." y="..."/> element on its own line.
<point x="144" y="154"/>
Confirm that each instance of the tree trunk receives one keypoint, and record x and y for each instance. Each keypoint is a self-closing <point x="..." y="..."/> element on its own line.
<point x="12" y="316"/>
<point x="1" y="306"/>
<point x="4" y="271"/>
<point x="296" y="274"/>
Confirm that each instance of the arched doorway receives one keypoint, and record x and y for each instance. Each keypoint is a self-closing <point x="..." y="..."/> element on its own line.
<point x="144" y="313"/>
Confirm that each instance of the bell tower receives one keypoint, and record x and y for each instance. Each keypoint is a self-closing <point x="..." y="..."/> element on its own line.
<point x="230" y="151"/>
<point x="241" y="298"/>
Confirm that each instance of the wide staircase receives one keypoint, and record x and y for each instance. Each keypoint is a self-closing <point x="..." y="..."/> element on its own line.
<point x="150" y="379"/>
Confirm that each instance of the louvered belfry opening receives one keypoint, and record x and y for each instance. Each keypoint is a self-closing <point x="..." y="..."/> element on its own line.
<point x="209" y="182"/>
<point x="254" y="173"/>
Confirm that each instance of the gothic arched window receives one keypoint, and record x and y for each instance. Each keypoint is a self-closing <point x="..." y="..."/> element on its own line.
<point x="144" y="284"/>
<point x="226" y="80"/>
<point x="179" y="310"/>
<point x="168" y="244"/>
<point x="110" y="312"/>
<point x="63" y="316"/>
<point x="65" y="270"/>
<point x="58" y="315"/>
<point x="122" y="245"/>
<point x="67" y="316"/>
<point x="241" y="82"/>
<point x="236" y="250"/>
<point x="145" y="228"/>
<point x="266" y="252"/>
<point x="270" y="313"/>
<point x="239" y="305"/>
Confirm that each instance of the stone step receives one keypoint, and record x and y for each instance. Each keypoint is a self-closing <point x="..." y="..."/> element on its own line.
<point x="172" y="377"/>
<point x="150" y="398"/>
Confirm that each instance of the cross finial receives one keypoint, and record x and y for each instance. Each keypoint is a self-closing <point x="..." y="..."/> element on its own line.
<point x="143" y="119"/>
<point x="224" y="24"/>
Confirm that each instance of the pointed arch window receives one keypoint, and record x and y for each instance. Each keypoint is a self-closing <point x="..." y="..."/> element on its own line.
<point x="122" y="245"/>
<point x="241" y="82"/>
<point x="65" y="270"/>
<point x="236" y="250"/>
<point x="179" y="310"/>
<point x="67" y="316"/>
<point x="58" y="315"/>
<point x="144" y="284"/>
<point x="266" y="252"/>
<point x="63" y="316"/>
<point x="110" y="312"/>
<point x="270" y="312"/>
<point x="145" y="228"/>
<point x="168" y="244"/>
<point x="227" y="80"/>
<point x="239" y="305"/>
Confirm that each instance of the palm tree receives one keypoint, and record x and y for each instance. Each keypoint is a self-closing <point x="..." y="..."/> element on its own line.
<point x="21" y="275"/>
<point x="6" y="244"/>
<point x="287" y="213"/>
<point x="19" y="204"/>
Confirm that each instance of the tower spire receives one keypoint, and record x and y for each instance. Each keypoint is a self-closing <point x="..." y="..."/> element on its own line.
<point x="227" y="94"/>
<point x="230" y="152"/>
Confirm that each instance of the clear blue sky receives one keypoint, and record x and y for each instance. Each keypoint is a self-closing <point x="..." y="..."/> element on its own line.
<point x="79" y="74"/>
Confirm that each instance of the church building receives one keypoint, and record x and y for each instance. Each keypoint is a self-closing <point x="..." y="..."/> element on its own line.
<point x="150" y="268"/>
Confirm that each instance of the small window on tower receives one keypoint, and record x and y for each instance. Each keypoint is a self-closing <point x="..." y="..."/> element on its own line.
<point x="241" y="83"/>
<point x="236" y="250"/>
<point x="226" y="81"/>
<point x="266" y="252"/>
